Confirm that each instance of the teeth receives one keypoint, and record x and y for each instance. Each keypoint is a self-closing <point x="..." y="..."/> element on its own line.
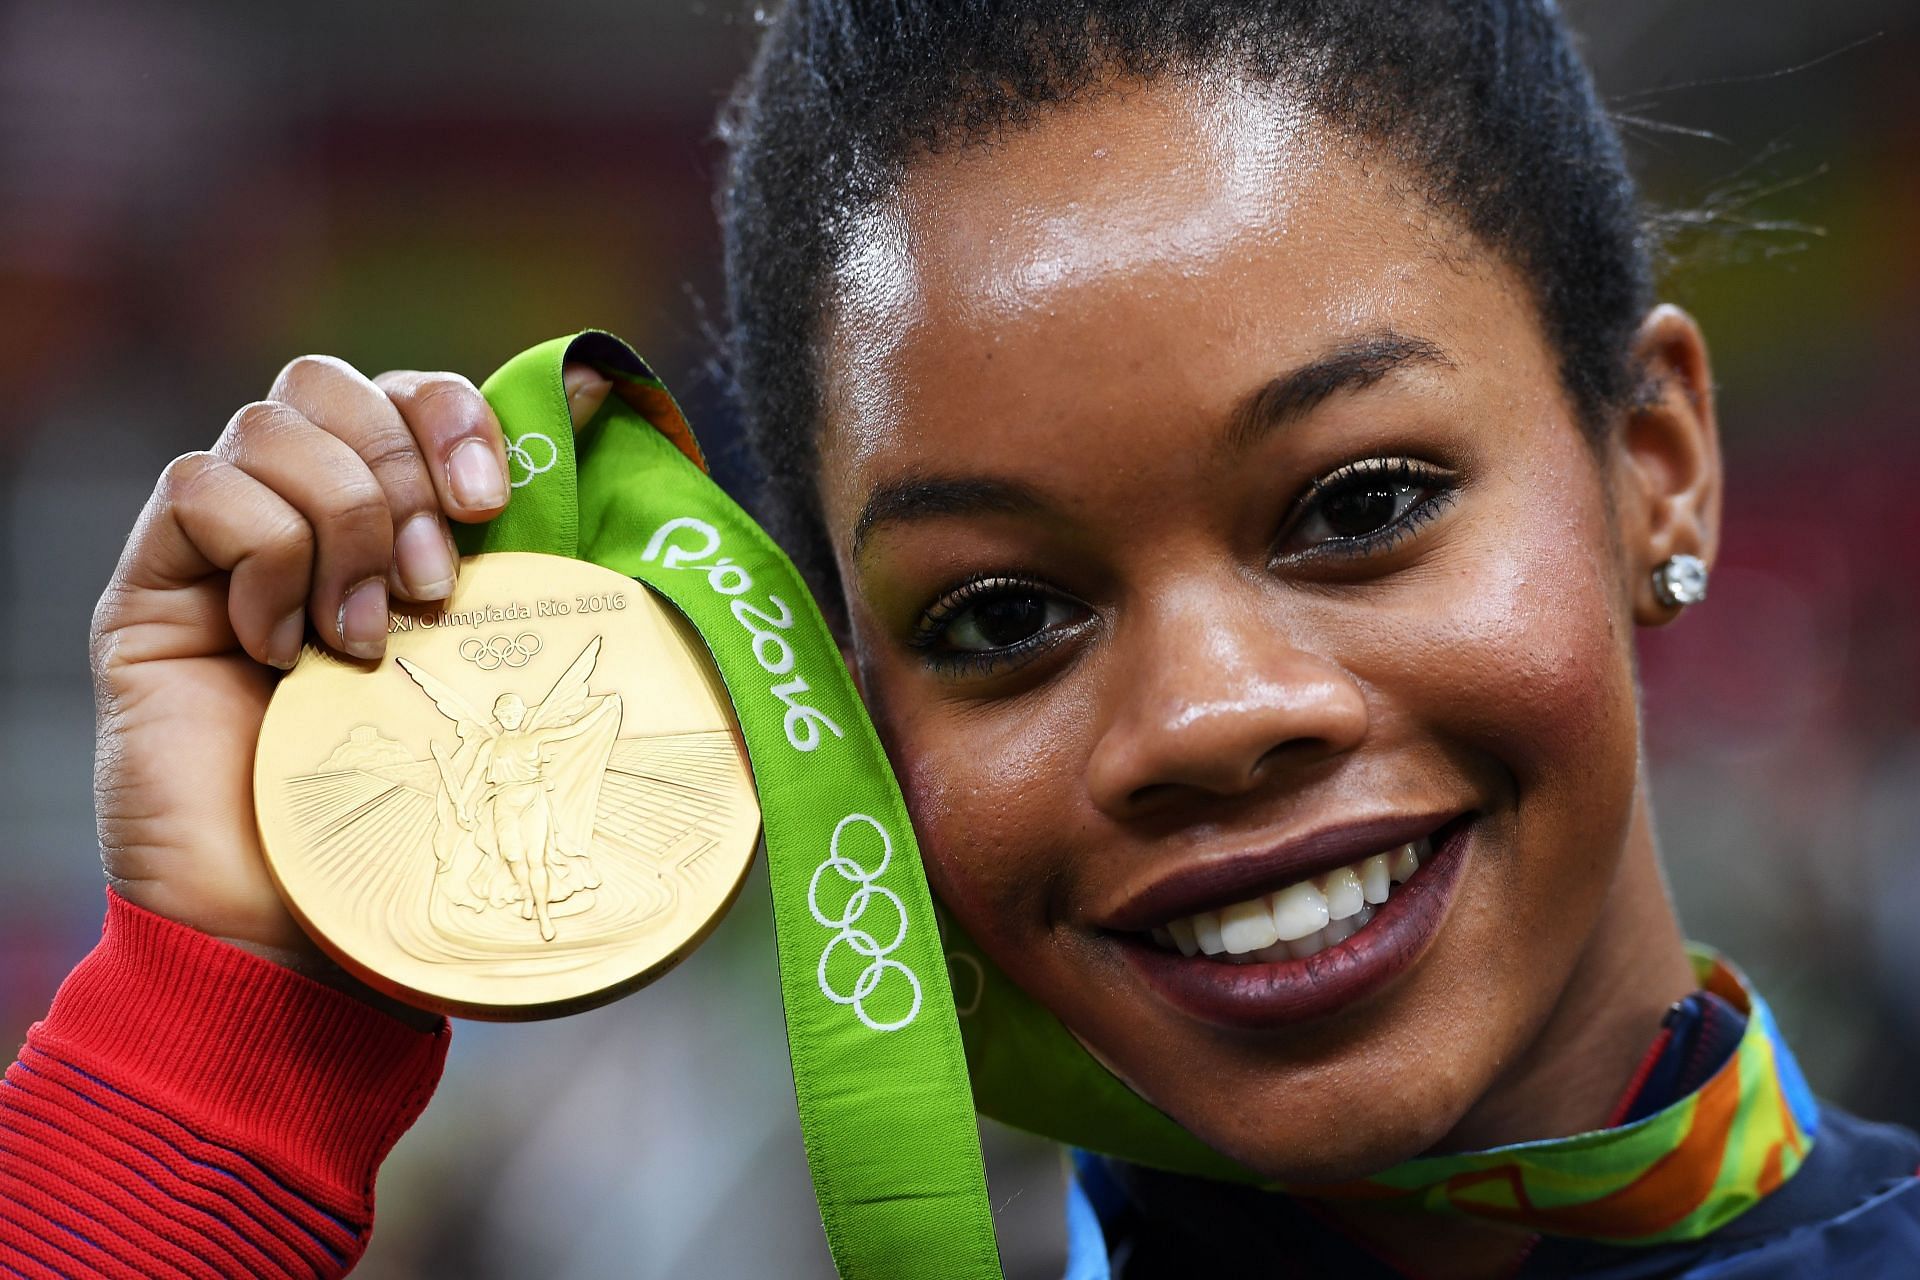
<point x="1301" y="948"/>
<point x="1375" y="879"/>
<point x="1298" y="910"/>
<point x="1247" y="926"/>
<point x="1344" y="895"/>
<point x="1206" y="930"/>
<point x="1299" y="920"/>
<point x="1403" y="864"/>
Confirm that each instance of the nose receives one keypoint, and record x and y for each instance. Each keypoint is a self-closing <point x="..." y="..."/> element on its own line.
<point x="1210" y="695"/>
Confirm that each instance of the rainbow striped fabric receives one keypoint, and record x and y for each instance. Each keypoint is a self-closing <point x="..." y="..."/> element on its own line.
<point x="1678" y="1174"/>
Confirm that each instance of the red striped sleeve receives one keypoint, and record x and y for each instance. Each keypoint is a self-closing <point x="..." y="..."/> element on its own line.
<point x="189" y="1110"/>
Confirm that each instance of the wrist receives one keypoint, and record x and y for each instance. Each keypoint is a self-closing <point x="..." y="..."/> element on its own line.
<point x="259" y="1056"/>
<point x="313" y="964"/>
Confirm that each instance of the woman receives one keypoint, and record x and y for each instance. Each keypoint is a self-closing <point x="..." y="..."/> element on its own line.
<point x="521" y="789"/>
<point x="1237" y="444"/>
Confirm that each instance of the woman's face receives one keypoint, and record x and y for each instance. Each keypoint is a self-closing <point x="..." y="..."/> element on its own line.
<point x="1212" y="517"/>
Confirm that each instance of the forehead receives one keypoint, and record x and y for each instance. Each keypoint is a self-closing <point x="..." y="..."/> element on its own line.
<point x="1185" y="238"/>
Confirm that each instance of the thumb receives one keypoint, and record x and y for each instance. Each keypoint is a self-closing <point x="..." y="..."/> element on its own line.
<point x="586" y="392"/>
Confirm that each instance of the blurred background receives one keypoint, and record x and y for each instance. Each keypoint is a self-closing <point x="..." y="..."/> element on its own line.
<point x="191" y="194"/>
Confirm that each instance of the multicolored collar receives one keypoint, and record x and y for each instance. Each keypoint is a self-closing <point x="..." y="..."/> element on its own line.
<point x="1678" y="1174"/>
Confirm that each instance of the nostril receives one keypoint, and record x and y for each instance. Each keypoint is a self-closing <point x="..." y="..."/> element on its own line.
<point x="1152" y="796"/>
<point x="1296" y="755"/>
<point x="1289" y="764"/>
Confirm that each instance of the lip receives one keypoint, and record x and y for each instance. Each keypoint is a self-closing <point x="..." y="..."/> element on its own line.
<point x="1222" y="881"/>
<point x="1258" y="997"/>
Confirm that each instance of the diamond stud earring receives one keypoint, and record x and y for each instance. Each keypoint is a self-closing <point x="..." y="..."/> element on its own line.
<point x="1680" y="581"/>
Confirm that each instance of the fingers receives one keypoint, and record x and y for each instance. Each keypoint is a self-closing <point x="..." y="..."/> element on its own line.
<point x="339" y="399"/>
<point x="587" y="390"/>
<point x="323" y="478"/>
<point x="324" y="500"/>
<point x="456" y="432"/>
<point x="206" y="515"/>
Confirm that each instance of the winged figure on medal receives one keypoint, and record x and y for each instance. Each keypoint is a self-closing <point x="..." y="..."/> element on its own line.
<point x="517" y="797"/>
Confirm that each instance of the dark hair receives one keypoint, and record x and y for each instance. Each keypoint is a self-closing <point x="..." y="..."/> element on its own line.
<point x="1486" y="101"/>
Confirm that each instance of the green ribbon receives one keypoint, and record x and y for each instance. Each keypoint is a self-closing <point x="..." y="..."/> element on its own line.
<point x="879" y="1073"/>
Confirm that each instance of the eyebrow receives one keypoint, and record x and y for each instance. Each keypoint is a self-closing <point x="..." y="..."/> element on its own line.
<point x="919" y="496"/>
<point x="1353" y="365"/>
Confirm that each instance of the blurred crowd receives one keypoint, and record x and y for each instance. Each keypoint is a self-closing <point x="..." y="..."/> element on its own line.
<point x="190" y="194"/>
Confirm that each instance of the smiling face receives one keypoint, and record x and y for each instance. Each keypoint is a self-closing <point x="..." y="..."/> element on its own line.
<point x="1212" y="516"/>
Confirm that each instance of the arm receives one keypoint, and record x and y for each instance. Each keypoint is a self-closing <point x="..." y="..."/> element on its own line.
<point x="599" y="709"/>
<point x="477" y="790"/>
<point x="188" y="1108"/>
<point x="209" y="1097"/>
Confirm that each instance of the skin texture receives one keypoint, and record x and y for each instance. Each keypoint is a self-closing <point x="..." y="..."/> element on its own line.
<point x="1082" y="312"/>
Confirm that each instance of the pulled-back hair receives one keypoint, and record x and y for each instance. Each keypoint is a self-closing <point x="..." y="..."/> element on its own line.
<point x="1485" y="102"/>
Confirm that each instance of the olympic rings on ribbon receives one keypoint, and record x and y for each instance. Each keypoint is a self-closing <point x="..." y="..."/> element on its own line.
<point x="862" y="943"/>
<point x="499" y="651"/>
<point x="518" y="454"/>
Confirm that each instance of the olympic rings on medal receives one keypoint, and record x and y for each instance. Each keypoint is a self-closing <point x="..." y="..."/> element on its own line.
<point x="498" y="651"/>
<point x="862" y="943"/>
<point x="519" y="455"/>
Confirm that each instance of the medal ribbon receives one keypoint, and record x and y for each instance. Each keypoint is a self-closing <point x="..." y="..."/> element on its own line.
<point x="1679" y="1174"/>
<point x="886" y="1113"/>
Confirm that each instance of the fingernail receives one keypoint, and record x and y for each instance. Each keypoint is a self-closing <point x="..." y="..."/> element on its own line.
<point x="453" y="554"/>
<point x="420" y="553"/>
<point x="474" y="475"/>
<point x="363" y="619"/>
<point x="283" y="646"/>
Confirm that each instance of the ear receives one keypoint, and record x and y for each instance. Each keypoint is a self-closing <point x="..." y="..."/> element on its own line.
<point x="1667" y="478"/>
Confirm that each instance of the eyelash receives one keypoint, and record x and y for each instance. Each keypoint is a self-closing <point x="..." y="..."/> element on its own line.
<point x="1409" y="472"/>
<point x="940" y="616"/>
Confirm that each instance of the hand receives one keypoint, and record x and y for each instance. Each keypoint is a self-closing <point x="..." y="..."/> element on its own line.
<point x="313" y="507"/>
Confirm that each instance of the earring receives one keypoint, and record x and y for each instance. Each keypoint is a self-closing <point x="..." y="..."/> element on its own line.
<point x="1680" y="581"/>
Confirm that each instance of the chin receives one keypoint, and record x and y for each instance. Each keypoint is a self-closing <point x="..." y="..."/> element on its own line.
<point x="1356" y="1147"/>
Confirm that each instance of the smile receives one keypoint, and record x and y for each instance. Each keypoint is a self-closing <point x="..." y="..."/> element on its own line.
<point x="1316" y="944"/>
<point x="1300" y="920"/>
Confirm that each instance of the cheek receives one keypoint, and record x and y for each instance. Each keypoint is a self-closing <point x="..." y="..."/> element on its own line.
<point x="986" y="791"/>
<point x="1528" y="655"/>
<point x="1558" y="680"/>
<point x="1518" y="654"/>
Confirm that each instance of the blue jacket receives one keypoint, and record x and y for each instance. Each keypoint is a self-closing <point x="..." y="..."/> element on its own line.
<point x="1852" y="1212"/>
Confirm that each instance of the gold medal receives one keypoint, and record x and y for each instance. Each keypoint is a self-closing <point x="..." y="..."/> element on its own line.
<point x="536" y="802"/>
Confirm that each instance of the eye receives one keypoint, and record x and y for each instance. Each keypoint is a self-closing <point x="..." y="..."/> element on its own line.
<point x="1001" y="622"/>
<point x="993" y="622"/>
<point x="1366" y="506"/>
